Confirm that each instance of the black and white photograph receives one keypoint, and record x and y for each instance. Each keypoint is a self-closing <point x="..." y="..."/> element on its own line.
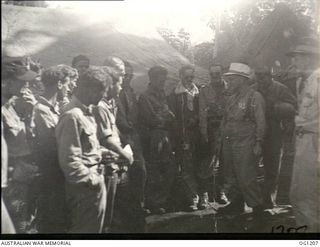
<point x="160" y="119"/>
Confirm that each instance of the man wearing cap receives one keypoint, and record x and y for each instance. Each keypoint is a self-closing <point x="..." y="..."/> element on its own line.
<point x="51" y="214"/>
<point x="243" y="129"/>
<point x="211" y="107"/>
<point x="81" y="63"/>
<point x="156" y="120"/>
<point x="17" y="116"/>
<point x="184" y="103"/>
<point x="80" y="154"/>
<point x="280" y="107"/>
<point x="305" y="183"/>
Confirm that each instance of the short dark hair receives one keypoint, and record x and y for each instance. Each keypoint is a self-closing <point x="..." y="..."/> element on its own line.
<point x="184" y="68"/>
<point x="78" y="58"/>
<point x="156" y="71"/>
<point x="54" y="74"/>
<point x="94" y="76"/>
<point x="127" y="64"/>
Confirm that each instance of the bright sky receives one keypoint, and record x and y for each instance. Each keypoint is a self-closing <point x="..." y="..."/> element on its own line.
<point x="193" y="16"/>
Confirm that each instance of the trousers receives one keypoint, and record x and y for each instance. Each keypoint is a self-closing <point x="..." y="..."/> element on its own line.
<point x="87" y="206"/>
<point x="241" y="164"/>
<point x="305" y="183"/>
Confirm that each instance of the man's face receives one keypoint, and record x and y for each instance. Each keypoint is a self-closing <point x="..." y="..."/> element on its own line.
<point x="160" y="82"/>
<point x="82" y="66"/>
<point x="65" y="88"/>
<point x="215" y="75"/>
<point x="264" y="80"/>
<point x="234" y="83"/>
<point x="128" y="76"/>
<point x="187" y="77"/>
<point x="115" y="88"/>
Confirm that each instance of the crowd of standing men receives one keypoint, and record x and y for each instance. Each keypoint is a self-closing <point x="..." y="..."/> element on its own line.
<point x="80" y="151"/>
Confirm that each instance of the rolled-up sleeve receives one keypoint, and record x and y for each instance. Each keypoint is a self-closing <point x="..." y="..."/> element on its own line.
<point x="258" y="105"/>
<point x="70" y="150"/>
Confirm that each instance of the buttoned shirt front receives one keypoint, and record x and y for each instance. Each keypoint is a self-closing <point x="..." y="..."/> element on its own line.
<point x="78" y="145"/>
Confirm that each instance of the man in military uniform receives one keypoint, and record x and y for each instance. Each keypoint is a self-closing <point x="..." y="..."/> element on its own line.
<point x="51" y="214"/>
<point x="17" y="116"/>
<point x="80" y="154"/>
<point x="243" y="132"/>
<point x="280" y="107"/>
<point x="304" y="192"/>
<point x="155" y="120"/>
<point x="184" y="103"/>
<point x="211" y="108"/>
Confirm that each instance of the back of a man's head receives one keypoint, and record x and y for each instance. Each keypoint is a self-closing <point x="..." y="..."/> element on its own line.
<point x="95" y="76"/>
<point x="185" y="68"/>
<point x="58" y="73"/>
<point x="79" y="58"/>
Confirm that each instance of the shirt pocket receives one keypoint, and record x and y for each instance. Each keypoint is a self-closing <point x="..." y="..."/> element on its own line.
<point x="88" y="139"/>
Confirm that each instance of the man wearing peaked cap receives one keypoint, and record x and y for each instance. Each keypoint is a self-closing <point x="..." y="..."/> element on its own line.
<point x="243" y="128"/>
<point x="305" y="183"/>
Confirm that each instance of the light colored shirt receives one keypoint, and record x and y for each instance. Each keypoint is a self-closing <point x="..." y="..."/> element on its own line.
<point x="78" y="145"/>
<point x="15" y="129"/>
<point x="309" y="102"/>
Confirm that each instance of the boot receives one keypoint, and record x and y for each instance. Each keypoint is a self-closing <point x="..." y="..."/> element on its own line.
<point x="194" y="205"/>
<point x="204" y="201"/>
<point x="222" y="199"/>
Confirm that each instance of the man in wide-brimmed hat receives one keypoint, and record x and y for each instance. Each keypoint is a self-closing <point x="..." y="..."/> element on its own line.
<point x="243" y="128"/>
<point x="305" y="194"/>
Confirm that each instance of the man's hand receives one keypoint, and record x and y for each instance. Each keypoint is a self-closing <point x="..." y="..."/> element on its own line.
<point x="128" y="157"/>
<point x="257" y="149"/>
<point x="29" y="97"/>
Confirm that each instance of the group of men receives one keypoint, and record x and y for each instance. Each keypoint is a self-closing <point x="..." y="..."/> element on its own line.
<point x="82" y="152"/>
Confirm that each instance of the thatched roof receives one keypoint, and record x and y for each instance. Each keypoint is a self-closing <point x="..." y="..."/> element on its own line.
<point x="55" y="36"/>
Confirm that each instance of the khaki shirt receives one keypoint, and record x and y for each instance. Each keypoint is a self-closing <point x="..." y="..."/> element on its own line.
<point x="78" y="145"/>
<point x="245" y="114"/>
<point x="15" y="129"/>
<point x="308" y="103"/>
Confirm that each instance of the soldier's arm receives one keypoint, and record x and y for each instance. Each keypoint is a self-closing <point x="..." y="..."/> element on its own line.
<point x="258" y="106"/>
<point x="70" y="151"/>
<point x="203" y="113"/>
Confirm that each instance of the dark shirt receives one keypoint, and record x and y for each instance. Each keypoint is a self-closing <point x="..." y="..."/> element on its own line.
<point x="154" y="111"/>
<point x="127" y="116"/>
<point x="277" y="93"/>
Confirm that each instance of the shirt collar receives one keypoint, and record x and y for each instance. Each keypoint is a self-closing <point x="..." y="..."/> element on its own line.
<point x="87" y="110"/>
